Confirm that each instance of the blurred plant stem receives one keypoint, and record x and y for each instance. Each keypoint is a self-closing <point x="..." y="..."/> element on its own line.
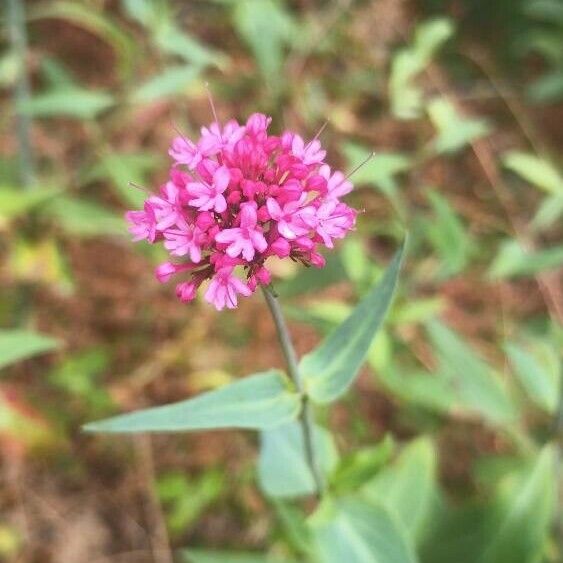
<point x="306" y="416"/>
<point x="18" y="35"/>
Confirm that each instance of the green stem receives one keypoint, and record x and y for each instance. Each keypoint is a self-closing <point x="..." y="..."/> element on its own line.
<point x="306" y="416"/>
<point x="18" y="35"/>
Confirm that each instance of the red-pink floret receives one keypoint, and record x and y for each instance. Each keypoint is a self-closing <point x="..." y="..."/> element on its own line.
<point x="236" y="197"/>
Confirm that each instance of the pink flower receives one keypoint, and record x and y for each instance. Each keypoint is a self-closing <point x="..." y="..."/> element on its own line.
<point x="223" y="289"/>
<point x="210" y="196"/>
<point x="289" y="218"/>
<point x="237" y="197"/>
<point x="185" y="240"/>
<point x="183" y="151"/>
<point x="337" y="184"/>
<point x="310" y="153"/>
<point x="142" y="224"/>
<point x="166" y="270"/>
<point x="245" y="239"/>
<point x="334" y="220"/>
<point x="186" y="291"/>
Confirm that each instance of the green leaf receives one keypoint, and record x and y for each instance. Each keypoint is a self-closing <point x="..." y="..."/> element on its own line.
<point x="354" y="531"/>
<point x="361" y="465"/>
<point x="329" y="370"/>
<point x="282" y="467"/>
<point x="210" y="556"/>
<point x="84" y="218"/>
<point x="513" y="261"/>
<point x="406" y="97"/>
<point x="380" y="171"/>
<point x="174" y="41"/>
<point x="538" y="368"/>
<point x="171" y="82"/>
<point x="16" y="345"/>
<point x="16" y="202"/>
<point x="455" y="131"/>
<point x="479" y="387"/>
<point x="78" y="103"/>
<point x="458" y="534"/>
<point x="407" y="486"/>
<point x="535" y="170"/>
<point x="259" y="402"/>
<point x="522" y="514"/>
<point x="123" y="168"/>
<point x="448" y="236"/>
<point x="549" y="212"/>
<point x="267" y="28"/>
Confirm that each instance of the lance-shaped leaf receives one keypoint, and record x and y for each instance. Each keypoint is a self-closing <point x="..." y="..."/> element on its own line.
<point x="330" y="369"/>
<point x="354" y="531"/>
<point x="18" y="345"/>
<point x="406" y="487"/>
<point x="260" y="401"/>
<point x="282" y="467"/>
<point x="522" y="514"/>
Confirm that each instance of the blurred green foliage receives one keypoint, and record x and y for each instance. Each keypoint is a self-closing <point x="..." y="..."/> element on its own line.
<point x="443" y="362"/>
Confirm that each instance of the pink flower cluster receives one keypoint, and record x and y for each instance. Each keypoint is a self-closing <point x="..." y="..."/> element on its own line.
<point x="237" y="197"/>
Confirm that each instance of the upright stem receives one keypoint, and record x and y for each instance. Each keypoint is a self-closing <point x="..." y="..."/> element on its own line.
<point x="18" y="35"/>
<point x="306" y="416"/>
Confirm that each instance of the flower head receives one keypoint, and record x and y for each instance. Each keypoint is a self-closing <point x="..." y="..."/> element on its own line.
<point x="237" y="197"/>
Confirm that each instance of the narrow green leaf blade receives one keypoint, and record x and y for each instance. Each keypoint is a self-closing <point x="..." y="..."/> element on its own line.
<point x="282" y="467"/>
<point x="329" y="370"/>
<point x="406" y="487"/>
<point x="260" y="401"/>
<point x="355" y="531"/>
<point x="479" y="387"/>
<point x="18" y="345"/>
<point x="538" y="370"/>
<point x="524" y="509"/>
<point x="535" y="170"/>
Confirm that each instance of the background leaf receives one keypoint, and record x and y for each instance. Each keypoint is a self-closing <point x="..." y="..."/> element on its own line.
<point x="16" y="345"/>
<point x="406" y="487"/>
<point x="478" y="386"/>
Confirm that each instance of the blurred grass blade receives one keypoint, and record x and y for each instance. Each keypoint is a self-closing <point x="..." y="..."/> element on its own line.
<point x="479" y="387"/>
<point x="329" y="370"/>
<point x="76" y="102"/>
<point x="513" y="261"/>
<point x="380" y="171"/>
<point x="448" y="236"/>
<point x="16" y="345"/>
<point x="539" y="371"/>
<point x="407" y="486"/>
<point x="406" y="97"/>
<point x="14" y="202"/>
<point x="353" y="531"/>
<point x="282" y="467"/>
<point x="535" y="170"/>
<point x="85" y="218"/>
<point x="171" y="82"/>
<point x="455" y="131"/>
<point x="521" y="517"/>
<point x="267" y="28"/>
<point x="259" y="401"/>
